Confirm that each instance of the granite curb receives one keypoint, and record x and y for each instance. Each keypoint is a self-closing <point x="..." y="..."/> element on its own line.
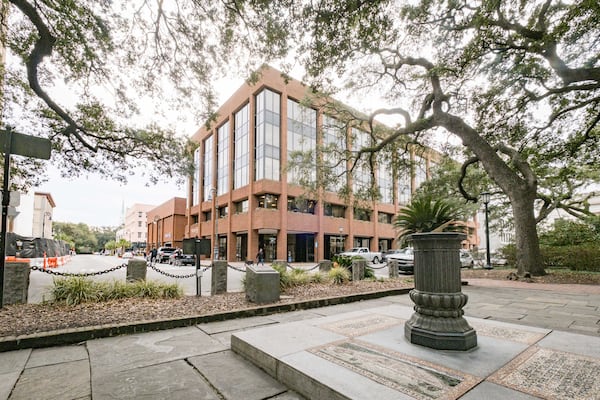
<point x="77" y="335"/>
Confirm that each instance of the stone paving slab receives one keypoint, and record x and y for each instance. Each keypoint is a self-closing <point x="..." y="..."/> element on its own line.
<point x="56" y="355"/>
<point x="234" y="378"/>
<point x="370" y="358"/>
<point x="149" y="348"/>
<point x="170" y="380"/>
<point x="71" y="380"/>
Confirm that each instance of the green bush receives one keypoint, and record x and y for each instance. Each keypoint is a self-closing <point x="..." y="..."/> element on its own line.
<point x="584" y="257"/>
<point x="318" y="277"/>
<point x="77" y="290"/>
<point x="339" y="275"/>
<point x="74" y="290"/>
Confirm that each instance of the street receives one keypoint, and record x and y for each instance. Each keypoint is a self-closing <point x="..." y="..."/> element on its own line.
<point x="41" y="282"/>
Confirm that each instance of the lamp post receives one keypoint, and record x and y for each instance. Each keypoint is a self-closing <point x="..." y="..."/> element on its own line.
<point x="485" y="197"/>
<point x="213" y="196"/>
<point x="49" y="216"/>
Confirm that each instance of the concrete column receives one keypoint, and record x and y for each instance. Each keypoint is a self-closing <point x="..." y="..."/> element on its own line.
<point x="392" y="269"/>
<point x="262" y="284"/>
<point x="325" y="265"/>
<point x="218" y="278"/>
<point x="358" y="269"/>
<point x="136" y="270"/>
<point x="16" y="283"/>
<point x="438" y="320"/>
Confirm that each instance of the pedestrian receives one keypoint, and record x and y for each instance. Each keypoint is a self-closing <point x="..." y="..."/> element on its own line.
<point x="153" y="254"/>
<point x="260" y="256"/>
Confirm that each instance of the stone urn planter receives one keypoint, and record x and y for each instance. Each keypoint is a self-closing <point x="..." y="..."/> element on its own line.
<point x="438" y="320"/>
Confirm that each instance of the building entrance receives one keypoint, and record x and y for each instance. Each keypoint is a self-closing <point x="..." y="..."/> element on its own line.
<point x="301" y="247"/>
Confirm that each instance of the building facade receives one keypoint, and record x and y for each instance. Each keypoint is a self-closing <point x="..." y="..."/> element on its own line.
<point x="43" y="206"/>
<point x="244" y="195"/>
<point x="134" y="228"/>
<point x="165" y="224"/>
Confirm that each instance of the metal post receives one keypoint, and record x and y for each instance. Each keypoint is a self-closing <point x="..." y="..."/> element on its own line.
<point x="5" y="202"/>
<point x="213" y="193"/>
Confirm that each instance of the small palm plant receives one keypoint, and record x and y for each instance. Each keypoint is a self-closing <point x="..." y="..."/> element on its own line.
<point x="424" y="214"/>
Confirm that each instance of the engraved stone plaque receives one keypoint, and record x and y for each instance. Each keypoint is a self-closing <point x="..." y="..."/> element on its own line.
<point x="552" y="374"/>
<point x="416" y="378"/>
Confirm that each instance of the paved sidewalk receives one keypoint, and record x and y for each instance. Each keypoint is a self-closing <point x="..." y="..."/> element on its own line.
<point x="522" y="331"/>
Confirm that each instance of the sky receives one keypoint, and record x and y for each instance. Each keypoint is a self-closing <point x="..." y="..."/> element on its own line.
<point x="98" y="201"/>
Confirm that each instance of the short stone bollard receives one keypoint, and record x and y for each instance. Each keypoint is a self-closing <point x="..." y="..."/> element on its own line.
<point x="218" y="278"/>
<point x="358" y="269"/>
<point x="393" y="269"/>
<point x="325" y="265"/>
<point x="16" y="283"/>
<point x="438" y="320"/>
<point x="262" y="284"/>
<point x="136" y="270"/>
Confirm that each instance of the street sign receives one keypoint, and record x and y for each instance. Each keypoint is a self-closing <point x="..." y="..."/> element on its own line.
<point x="25" y="145"/>
<point x="22" y="145"/>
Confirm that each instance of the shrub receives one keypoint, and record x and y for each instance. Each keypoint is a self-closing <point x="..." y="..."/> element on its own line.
<point x="576" y="258"/>
<point x="77" y="290"/>
<point x="339" y="275"/>
<point x="318" y="277"/>
<point x="74" y="290"/>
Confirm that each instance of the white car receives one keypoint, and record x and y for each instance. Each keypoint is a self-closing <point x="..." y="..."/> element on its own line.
<point x="466" y="259"/>
<point x="127" y="254"/>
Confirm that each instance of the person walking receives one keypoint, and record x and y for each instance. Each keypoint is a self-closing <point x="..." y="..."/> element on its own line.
<point x="260" y="256"/>
<point x="153" y="254"/>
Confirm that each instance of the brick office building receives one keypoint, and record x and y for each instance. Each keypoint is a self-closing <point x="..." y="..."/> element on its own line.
<point x="165" y="224"/>
<point x="241" y="176"/>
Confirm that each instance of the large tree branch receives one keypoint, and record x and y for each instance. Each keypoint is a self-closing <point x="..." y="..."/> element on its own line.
<point x="43" y="48"/>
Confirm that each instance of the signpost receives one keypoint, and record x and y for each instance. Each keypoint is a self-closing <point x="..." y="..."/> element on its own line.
<point x="21" y="145"/>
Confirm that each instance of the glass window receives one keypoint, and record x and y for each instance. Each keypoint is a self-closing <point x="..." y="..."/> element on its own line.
<point x="207" y="215"/>
<point x="196" y="178"/>
<point x="267" y="135"/>
<point x="334" y="210"/>
<point x="334" y="144"/>
<point x="241" y="164"/>
<point x="302" y="143"/>
<point x="241" y="206"/>
<point x="208" y="167"/>
<point x="301" y="205"/>
<point x="223" y="211"/>
<point x="223" y="159"/>
<point x="361" y="177"/>
<point x="139" y="224"/>
<point x="361" y="214"/>
<point x="385" y="179"/>
<point x="385" y="218"/>
<point x="420" y="171"/>
<point x="268" y="201"/>
<point x="404" y="192"/>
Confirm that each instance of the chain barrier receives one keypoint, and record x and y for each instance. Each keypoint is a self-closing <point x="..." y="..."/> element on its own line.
<point x="174" y="275"/>
<point x="382" y="267"/>
<point x="236" y="268"/>
<point x="307" y="270"/>
<point x="83" y="274"/>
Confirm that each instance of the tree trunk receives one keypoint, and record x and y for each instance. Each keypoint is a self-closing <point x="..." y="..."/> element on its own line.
<point x="526" y="238"/>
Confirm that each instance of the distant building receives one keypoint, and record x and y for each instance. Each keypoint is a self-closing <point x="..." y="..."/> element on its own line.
<point x="243" y="195"/>
<point x="134" y="228"/>
<point x="165" y="224"/>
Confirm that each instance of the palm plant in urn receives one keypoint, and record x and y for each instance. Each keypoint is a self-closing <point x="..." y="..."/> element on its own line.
<point x="434" y="229"/>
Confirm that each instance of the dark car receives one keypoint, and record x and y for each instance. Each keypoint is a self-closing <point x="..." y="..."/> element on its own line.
<point x="163" y="254"/>
<point x="179" y="259"/>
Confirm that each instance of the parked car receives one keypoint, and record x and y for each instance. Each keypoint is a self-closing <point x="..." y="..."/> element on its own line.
<point x="497" y="259"/>
<point x="163" y="254"/>
<point x="371" y="256"/>
<point x="466" y="259"/>
<point x="127" y="254"/>
<point x="385" y="254"/>
<point x="179" y="259"/>
<point x="404" y="259"/>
